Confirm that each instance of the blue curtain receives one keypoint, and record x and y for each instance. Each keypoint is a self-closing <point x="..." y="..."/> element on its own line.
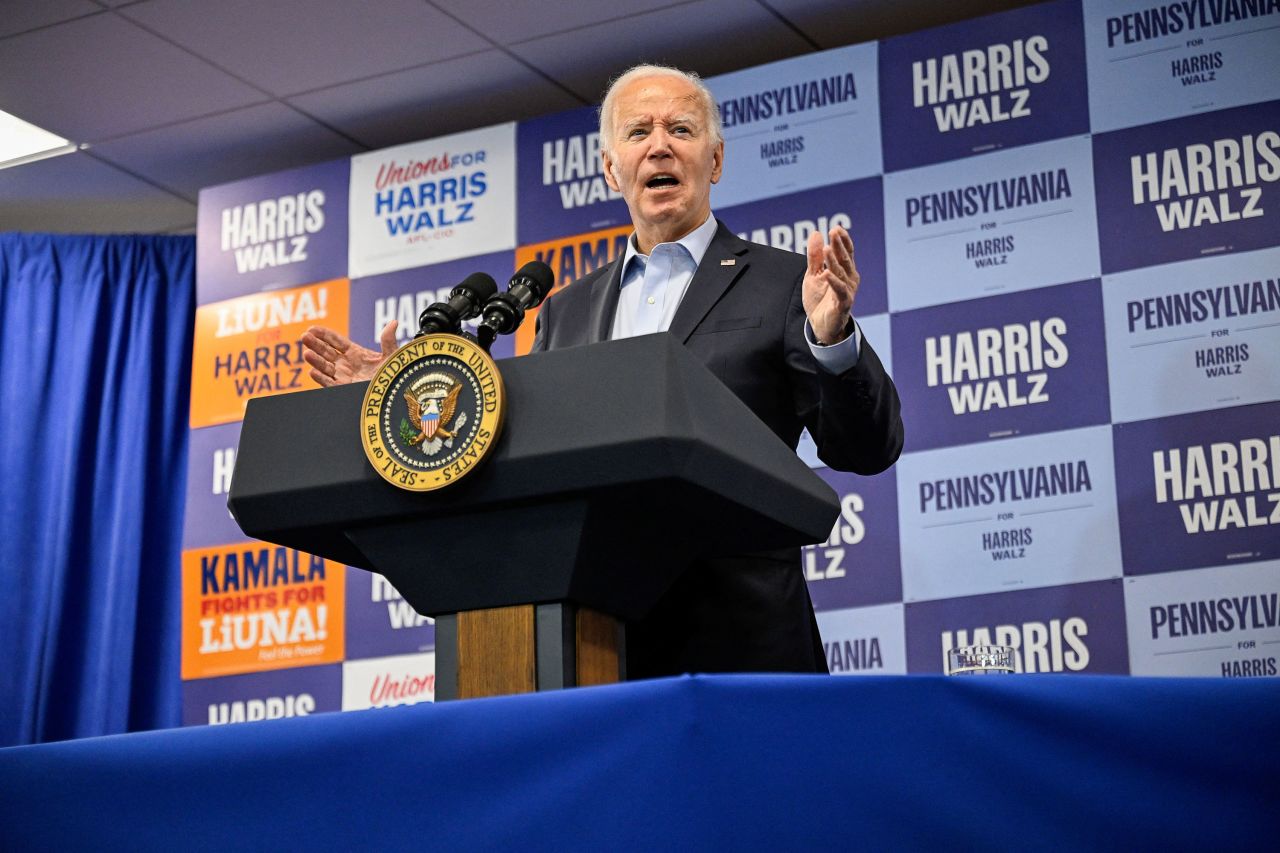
<point x="95" y="366"/>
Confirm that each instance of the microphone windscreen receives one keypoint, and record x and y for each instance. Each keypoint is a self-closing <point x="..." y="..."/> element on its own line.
<point x="539" y="278"/>
<point x="481" y="286"/>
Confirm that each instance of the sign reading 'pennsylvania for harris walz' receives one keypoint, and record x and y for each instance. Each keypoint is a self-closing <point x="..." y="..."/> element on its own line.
<point x="863" y="640"/>
<point x="1011" y="220"/>
<point x="562" y="188"/>
<point x="1193" y="336"/>
<point x="1009" y="365"/>
<point x="787" y="221"/>
<point x="1215" y="622"/>
<point x="802" y="123"/>
<point x="984" y="84"/>
<point x="1200" y="489"/>
<point x="1151" y="60"/>
<point x="271" y="232"/>
<point x="433" y="201"/>
<point x="1189" y="187"/>
<point x="1027" y="512"/>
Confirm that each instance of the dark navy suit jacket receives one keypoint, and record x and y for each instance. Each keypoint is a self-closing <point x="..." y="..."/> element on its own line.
<point x="743" y="317"/>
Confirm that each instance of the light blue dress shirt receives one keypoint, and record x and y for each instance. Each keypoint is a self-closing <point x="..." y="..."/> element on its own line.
<point x="653" y="286"/>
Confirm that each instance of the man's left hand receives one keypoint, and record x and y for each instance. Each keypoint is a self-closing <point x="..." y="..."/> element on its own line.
<point x="830" y="285"/>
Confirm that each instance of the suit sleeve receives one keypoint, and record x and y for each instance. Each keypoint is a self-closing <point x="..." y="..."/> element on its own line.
<point x="854" y="417"/>
<point x="541" y="323"/>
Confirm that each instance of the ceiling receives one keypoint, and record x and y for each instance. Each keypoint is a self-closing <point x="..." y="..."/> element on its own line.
<point x="173" y="95"/>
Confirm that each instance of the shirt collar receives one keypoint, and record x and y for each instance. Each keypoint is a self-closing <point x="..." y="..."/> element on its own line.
<point x="695" y="243"/>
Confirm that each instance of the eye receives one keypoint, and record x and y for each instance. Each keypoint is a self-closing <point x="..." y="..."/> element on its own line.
<point x="680" y="128"/>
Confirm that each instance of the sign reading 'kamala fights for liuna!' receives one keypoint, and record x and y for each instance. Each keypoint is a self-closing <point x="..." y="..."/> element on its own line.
<point x="249" y="347"/>
<point x="1025" y="512"/>
<point x="864" y="640"/>
<point x="1008" y="365"/>
<point x="561" y="184"/>
<point x="404" y="294"/>
<point x="1151" y="60"/>
<point x="380" y="622"/>
<point x="255" y="696"/>
<point x="1194" y="335"/>
<point x="1214" y="622"/>
<point x="858" y="563"/>
<point x="984" y="84"/>
<point x="252" y="606"/>
<point x="1200" y="489"/>
<point x="798" y="124"/>
<point x="1189" y="187"/>
<point x="1066" y="629"/>
<point x="787" y="221"/>
<point x="1011" y="220"/>
<point x="432" y="201"/>
<point x="272" y="232"/>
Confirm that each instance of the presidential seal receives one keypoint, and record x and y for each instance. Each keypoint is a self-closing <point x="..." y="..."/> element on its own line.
<point x="432" y="412"/>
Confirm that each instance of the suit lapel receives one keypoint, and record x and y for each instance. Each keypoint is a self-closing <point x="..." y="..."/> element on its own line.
<point x="721" y="266"/>
<point x="604" y="302"/>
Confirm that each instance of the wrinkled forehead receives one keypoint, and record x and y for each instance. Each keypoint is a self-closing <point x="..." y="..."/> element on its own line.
<point x="660" y="99"/>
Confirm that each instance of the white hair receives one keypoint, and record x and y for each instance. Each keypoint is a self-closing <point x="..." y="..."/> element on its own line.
<point x="703" y="94"/>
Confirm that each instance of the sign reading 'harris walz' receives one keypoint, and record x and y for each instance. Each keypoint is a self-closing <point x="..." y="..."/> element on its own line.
<point x="432" y="412"/>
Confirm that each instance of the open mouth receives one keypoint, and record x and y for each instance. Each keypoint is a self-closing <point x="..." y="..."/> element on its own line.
<point x="658" y="182"/>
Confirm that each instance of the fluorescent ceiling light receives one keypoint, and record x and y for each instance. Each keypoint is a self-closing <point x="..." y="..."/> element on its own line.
<point x="23" y="142"/>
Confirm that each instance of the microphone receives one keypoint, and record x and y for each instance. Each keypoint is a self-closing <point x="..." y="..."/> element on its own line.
<point x="504" y="312"/>
<point x="465" y="302"/>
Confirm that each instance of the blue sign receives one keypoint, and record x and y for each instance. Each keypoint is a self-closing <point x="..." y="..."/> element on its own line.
<point x="985" y="84"/>
<point x="1189" y="188"/>
<point x="1003" y="366"/>
<point x="1199" y="490"/>
<point x="787" y="221"/>
<point x="560" y="185"/>
<point x="272" y="232"/>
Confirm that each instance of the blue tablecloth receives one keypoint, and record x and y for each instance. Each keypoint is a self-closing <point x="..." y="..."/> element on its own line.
<point x="702" y="763"/>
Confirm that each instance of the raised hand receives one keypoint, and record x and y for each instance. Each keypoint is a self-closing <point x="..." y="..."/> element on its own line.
<point x="830" y="285"/>
<point x="336" y="360"/>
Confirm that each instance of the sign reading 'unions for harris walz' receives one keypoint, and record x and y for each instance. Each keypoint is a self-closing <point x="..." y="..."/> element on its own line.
<point x="432" y="201"/>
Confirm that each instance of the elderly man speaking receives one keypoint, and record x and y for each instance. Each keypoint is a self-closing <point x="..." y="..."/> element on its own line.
<point x="775" y="327"/>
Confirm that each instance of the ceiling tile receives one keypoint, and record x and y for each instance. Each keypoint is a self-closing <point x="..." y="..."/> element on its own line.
<point x="709" y="36"/>
<point x="506" y="22"/>
<point x="81" y="195"/>
<point x="20" y="17"/>
<point x="291" y="46"/>
<point x="446" y="97"/>
<point x="834" y="25"/>
<point x="214" y="150"/>
<point x="98" y="77"/>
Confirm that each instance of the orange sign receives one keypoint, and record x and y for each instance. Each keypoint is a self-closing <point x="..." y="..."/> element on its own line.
<point x="254" y="606"/>
<point x="570" y="258"/>
<point x="248" y="347"/>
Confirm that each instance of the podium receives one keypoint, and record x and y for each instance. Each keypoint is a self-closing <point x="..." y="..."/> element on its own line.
<point x="619" y="464"/>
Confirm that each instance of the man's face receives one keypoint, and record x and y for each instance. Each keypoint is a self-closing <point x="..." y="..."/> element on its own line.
<point x="664" y="158"/>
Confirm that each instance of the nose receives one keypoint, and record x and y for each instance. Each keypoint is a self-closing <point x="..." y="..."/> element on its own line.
<point x="659" y="142"/>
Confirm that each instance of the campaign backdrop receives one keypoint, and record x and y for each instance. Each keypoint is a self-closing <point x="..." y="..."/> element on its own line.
<point x="1065" y="222"/>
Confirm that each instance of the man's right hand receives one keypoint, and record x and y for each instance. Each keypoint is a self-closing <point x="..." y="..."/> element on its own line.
<point x="336" y="360"/>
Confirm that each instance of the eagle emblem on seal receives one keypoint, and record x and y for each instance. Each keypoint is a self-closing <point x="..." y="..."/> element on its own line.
<point x="433" y="412"/>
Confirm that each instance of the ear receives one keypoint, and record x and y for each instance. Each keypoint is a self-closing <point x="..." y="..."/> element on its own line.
<point x="610" y="177"/>
<point x="717" y="162"/>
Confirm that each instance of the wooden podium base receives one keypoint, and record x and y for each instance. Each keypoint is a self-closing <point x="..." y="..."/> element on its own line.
<point x="525" y="648"/>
